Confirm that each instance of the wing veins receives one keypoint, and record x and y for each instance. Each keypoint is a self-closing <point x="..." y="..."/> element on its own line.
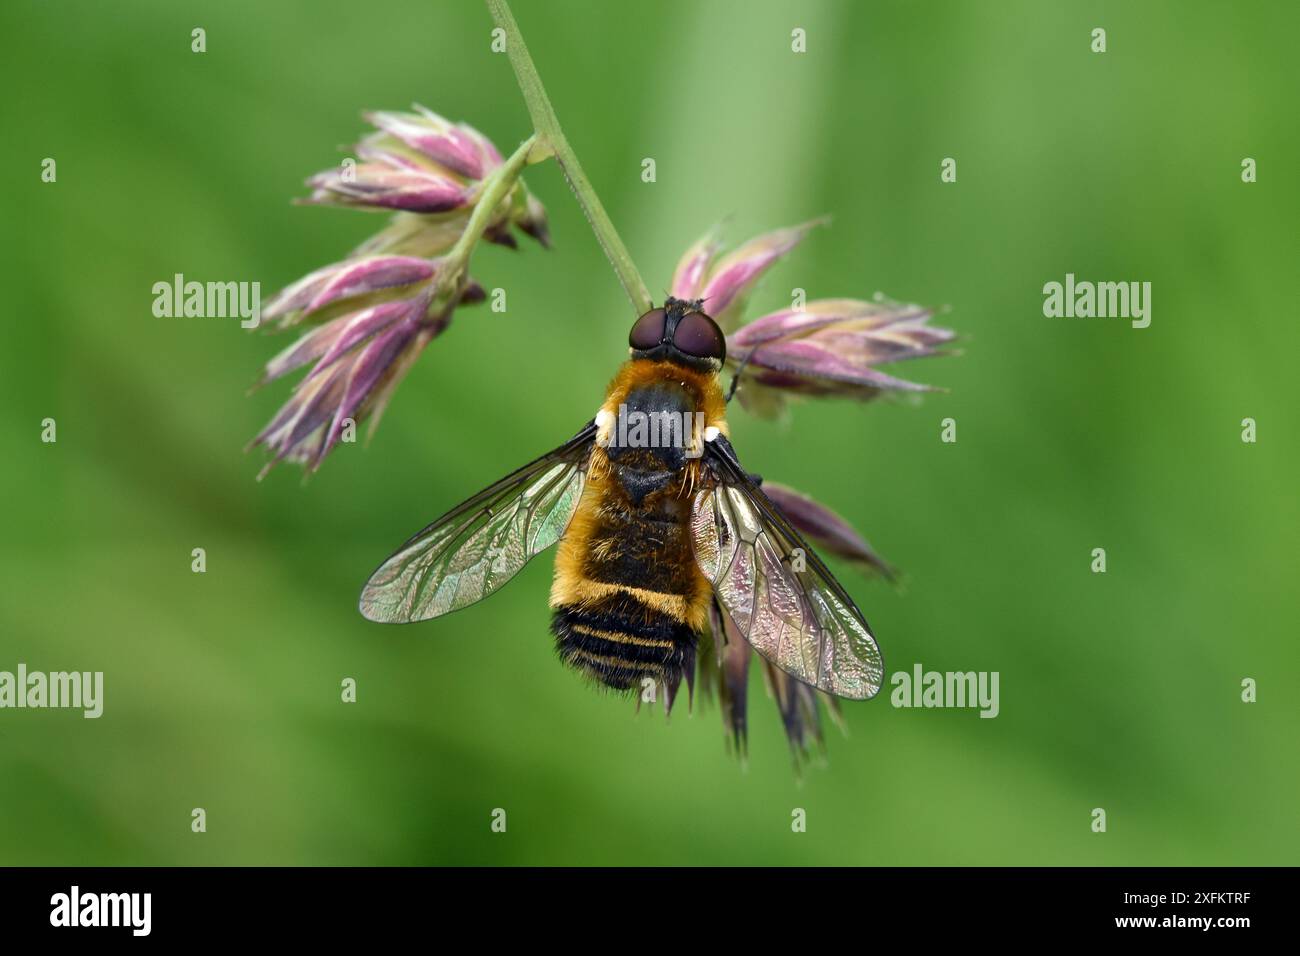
<point x="421" y="563"/>
<point x="829" y="625"/>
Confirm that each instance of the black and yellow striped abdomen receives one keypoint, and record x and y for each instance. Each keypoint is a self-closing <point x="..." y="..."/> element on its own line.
<point x="628" y="599"/>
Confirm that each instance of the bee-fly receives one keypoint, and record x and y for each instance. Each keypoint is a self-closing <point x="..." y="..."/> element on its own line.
<point x="657" y="523"/>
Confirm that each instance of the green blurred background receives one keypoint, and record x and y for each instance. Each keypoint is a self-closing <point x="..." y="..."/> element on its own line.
<point x="1119" y="691"/>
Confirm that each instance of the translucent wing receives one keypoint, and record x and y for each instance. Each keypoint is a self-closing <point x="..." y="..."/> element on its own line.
<point x="482" y="543"/>
<point x="778" y="593"/>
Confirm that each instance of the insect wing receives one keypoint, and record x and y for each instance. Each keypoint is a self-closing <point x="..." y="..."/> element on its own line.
<point x="778" y="593"/>
<point x="478" y="546"/>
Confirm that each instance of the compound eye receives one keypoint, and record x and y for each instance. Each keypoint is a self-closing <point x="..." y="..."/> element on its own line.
<point x="648" y="331"/>
<point x="699" y="335"/>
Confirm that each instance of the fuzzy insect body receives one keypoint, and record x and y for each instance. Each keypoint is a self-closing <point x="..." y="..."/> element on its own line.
<point x="663" y="537"/>
<point x="629" y="601"/>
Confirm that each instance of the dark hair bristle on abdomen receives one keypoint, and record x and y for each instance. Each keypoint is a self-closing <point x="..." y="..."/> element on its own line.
<point x="620" y="641"/>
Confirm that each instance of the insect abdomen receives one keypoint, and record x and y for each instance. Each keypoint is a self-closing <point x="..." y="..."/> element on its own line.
<point x="622" y="642"/>
<point x="628" y="599"/>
